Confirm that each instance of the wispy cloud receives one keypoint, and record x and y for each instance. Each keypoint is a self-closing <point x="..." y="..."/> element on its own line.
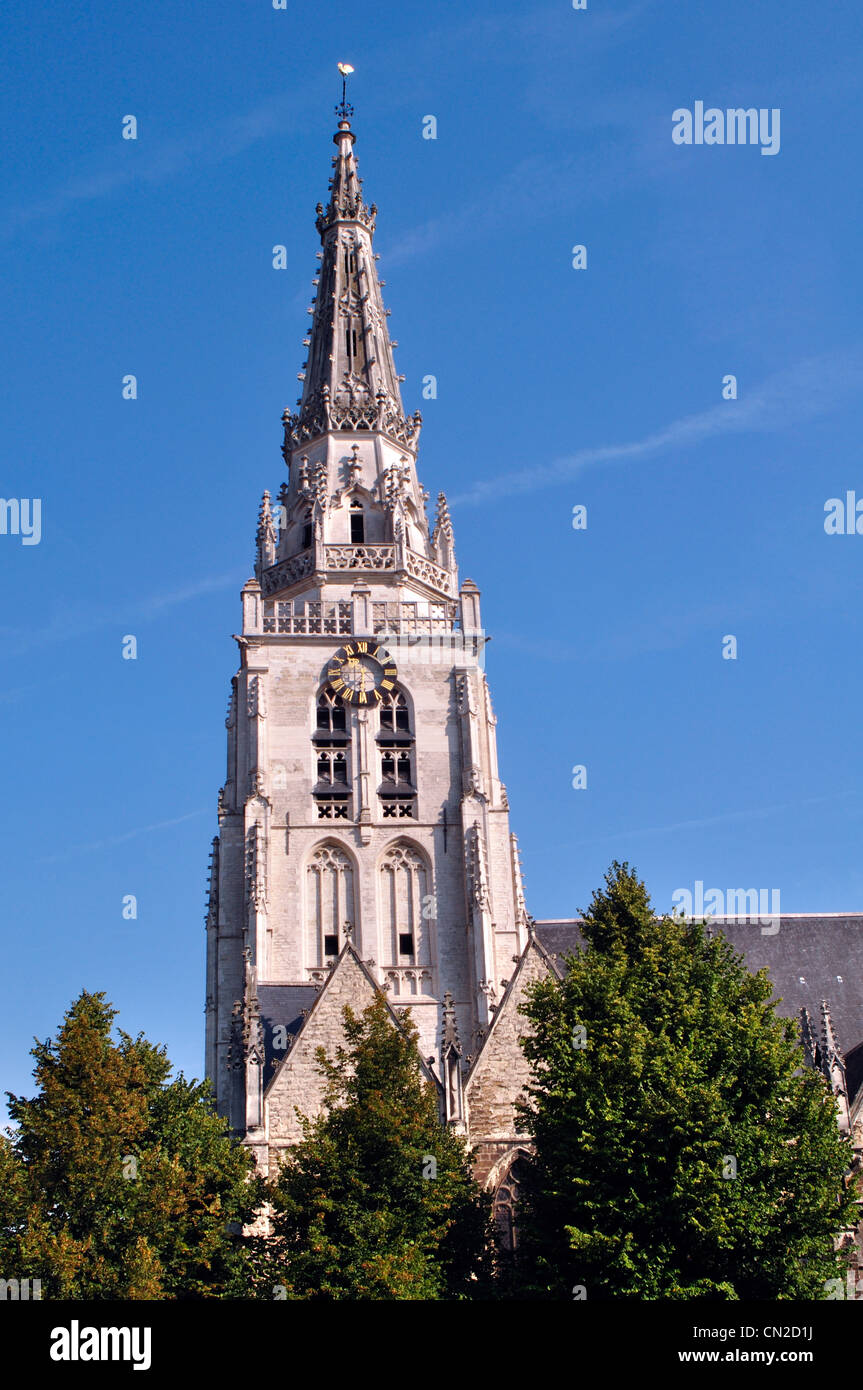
<point x="790" y="397"/>
<point x="112" y="840"/>
<point x="726" y="818"/>
<point x="77" y="620"/>
<point x="128" y="164"/>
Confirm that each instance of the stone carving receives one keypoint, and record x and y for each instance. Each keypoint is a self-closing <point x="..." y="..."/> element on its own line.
<point x="518" y="879"/>
<point x="406" y="981"/>
<point x="350" y="305"/>
<point x="257" y="786"/>
<point x="490" y="715"/>
<point x="252" y="697"/>
<point x="319" y="484"/>
<point x="360" y="557"/>
<point x="320" y="414"/>
<point x="428" y="572"/>
<point x="256" y="868"/>
<point x="396" y="481"/>
<point x="345" y="206"/>
<point x="477" y="869"/>
<point x="265" y="534"/>
<point x="464" y="695"/>
<point x="285" y="615"/>
<point x="443" y="541"/>
<point x="472" y="781"/>
<point x="355" y="466"/>
<point x="287" y="572"/>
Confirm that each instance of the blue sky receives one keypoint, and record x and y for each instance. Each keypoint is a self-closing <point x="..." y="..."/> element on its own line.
<point x="555" y="387"/>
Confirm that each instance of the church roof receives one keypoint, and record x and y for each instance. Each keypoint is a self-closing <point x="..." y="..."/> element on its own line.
<point x="285" y="1006"/>
<point x="809" y="959"/>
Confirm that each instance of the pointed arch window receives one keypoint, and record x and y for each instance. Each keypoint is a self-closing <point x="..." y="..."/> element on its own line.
<point x="397" y="758"/>
<point x="329" y="904"/>
<point x="404" y="915"/>
<point x="331" y="714"/>
<point x="331" y="749"/>
<point x="306" y="535"/>
<point x="505" y="1205"/>
<point x="395" y="715"/>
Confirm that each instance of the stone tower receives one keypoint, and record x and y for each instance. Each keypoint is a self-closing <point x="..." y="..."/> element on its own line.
<point x="363" y="827"/>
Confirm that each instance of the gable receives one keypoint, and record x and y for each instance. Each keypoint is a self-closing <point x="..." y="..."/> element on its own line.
<point x="298" y="1083"/>
<point x="501" y="1070"/>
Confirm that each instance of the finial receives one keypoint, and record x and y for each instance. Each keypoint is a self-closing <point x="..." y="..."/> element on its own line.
<point x="344" y="110"/>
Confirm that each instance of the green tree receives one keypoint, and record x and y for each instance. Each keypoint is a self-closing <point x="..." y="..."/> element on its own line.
<point x="682" y="1150"/>
<point x="378" y="1200"/>
<point x="118" y="1182"/>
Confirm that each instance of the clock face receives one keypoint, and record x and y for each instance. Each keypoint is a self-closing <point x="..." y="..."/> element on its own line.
<point x="361" y="673"/>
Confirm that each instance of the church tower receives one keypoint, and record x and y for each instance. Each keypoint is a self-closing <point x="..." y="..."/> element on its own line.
<point x="364" y="834"/>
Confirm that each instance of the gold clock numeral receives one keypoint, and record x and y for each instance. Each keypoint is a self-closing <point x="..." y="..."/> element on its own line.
<point x="386" y="685"/>
<point x="363" y="697"/>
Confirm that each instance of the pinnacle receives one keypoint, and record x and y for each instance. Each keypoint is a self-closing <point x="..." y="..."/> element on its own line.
<point x="349" y="380"/>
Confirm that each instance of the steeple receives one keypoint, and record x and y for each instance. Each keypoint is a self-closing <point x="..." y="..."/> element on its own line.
<point x="354" y="509"/>
<point x="349" y="378"/>
<point x="362" y="809"/>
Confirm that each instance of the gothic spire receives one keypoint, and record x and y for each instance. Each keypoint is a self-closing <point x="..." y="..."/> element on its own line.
<point x="349" y="377"/>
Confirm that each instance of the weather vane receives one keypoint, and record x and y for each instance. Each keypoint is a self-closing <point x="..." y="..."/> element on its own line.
<point x="344" y="109"/>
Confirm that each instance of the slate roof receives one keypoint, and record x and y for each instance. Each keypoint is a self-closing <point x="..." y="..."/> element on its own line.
<point x="559" y="939"/>
<point x="810" y="958"/>
<point x="282" y="1004"/>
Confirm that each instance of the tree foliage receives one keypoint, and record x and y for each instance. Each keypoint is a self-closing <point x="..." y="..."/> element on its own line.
<point x="378" y="1200"/>
<point x="116" y="1181"/>
<point x="682" y="1151"/>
